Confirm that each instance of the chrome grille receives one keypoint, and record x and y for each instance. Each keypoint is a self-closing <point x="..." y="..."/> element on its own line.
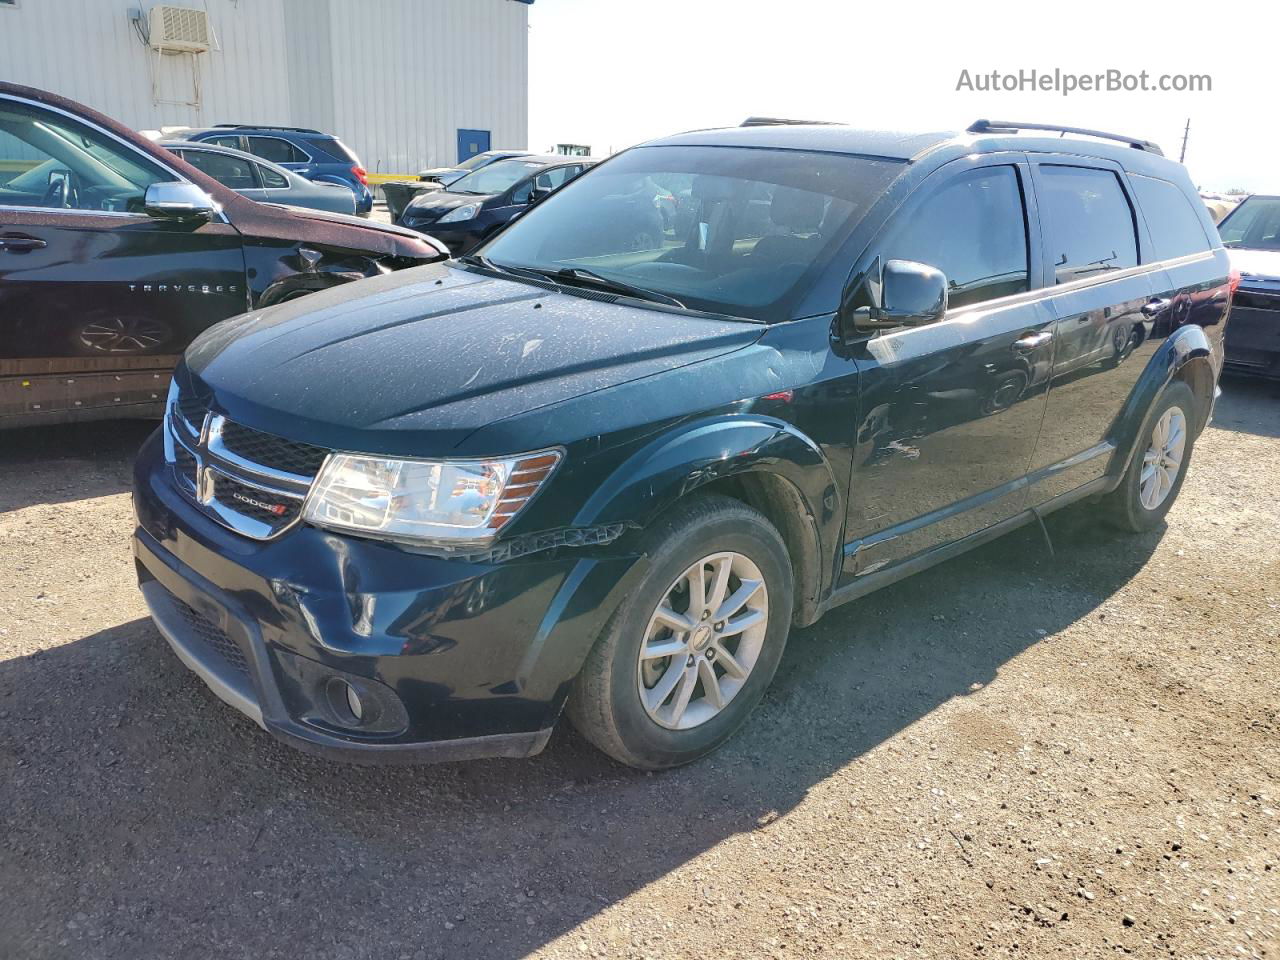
<point x="268" y="450"/>
<point x="252" y="482"/>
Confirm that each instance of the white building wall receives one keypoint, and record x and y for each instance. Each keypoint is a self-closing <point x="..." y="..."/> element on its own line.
<point x="395" y="79"/>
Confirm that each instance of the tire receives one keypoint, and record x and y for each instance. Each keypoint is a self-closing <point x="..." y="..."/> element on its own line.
<point x="605" y="703"/>
<point x="1126" y="507"/>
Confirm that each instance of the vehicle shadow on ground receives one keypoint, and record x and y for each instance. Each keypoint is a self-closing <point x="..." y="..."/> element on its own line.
<point x="189" y="832"/>
<point x="68" y="462"/>
<point x="1248" y="406"/>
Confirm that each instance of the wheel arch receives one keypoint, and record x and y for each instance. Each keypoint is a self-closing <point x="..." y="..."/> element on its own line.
<point x="765" y="463"/>
<point x="1185" y="355"/>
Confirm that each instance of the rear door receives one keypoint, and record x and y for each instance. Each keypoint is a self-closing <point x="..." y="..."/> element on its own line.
<point x="1094" y="254"/>
<point x="951" y="410"/>
<point x="97" y="299"/>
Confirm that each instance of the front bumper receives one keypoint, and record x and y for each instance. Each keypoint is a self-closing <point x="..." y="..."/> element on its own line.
<point x="1253" y="331"/>
<point x="453" y="660"/>
<point x="457" y="237"/>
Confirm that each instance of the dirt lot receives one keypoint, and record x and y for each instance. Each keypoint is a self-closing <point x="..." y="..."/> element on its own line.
<point x="1011" y="755"/>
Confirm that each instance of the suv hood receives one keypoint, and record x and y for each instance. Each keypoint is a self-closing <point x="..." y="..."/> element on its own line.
<point x="413" y="362"/>
<point x="1255" y="264"/>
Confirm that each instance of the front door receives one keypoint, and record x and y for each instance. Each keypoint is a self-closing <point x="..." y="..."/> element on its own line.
<point x="951" y="410"/>
<point x="472" y="142"/>
<point x="97" y="299"/>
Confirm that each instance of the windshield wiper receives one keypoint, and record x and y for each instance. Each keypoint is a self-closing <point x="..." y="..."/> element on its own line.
<point x="581" y="276"/>
<point x="479" y="260"/>
<point x="572" y="275"/>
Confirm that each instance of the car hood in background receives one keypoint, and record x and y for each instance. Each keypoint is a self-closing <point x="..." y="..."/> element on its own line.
<point x="1255" y="264"/>
<point x="413" y="362"/>
<point x="439" y="202"/>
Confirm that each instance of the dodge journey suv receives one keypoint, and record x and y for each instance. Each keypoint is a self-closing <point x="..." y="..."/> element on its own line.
<point x="423" y="515"/>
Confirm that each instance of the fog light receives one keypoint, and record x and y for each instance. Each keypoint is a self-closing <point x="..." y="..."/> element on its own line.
<point x="353" y="702"/>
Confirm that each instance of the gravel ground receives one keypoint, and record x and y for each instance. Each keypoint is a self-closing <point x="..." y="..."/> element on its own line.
<point x="1010" y="755"/>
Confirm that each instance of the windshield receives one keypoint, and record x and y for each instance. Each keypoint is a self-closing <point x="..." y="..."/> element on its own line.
<point x="496" y="177"/>
<point x="479" y="160"/>
<point x="1254" y="225"/>
<point x="730" y="230"/>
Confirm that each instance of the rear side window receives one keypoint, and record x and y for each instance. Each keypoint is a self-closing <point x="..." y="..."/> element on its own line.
<point x="975" y="231"/>
<point x="229" y="171"/>
<point x="1175" y="227"/>
<point x="232" y="142"/>
<point x="276" y="150"/>
<point x="1088" y="223"/>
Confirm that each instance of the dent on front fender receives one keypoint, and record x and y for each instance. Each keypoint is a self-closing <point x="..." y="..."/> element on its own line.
<point x="277" y="272"/>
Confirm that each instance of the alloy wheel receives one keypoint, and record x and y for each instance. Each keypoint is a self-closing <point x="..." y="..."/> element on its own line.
<point x="703" y="641"/>
<point x="1163" y="458"/>
<point x="123" y="335"/>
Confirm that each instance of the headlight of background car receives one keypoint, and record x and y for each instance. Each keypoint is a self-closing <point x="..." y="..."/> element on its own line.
<point x="465" y="212"/>
<point x="447" y="502"/>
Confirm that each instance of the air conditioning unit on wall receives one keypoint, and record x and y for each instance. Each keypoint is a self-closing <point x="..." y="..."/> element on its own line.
<point x="178" y="29"/>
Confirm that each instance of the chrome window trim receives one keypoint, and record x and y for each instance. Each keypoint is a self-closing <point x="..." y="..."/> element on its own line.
<point x="177" y="177"/>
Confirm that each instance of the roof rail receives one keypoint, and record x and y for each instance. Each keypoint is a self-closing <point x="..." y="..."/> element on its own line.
<point x="783" y="122"/>
<point x="1012" y="126"/>
<point x="265" y="126"/>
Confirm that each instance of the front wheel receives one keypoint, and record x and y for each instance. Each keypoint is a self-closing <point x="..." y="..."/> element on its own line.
<point x="693" y="647"/>
<point x="1155" y="476"/>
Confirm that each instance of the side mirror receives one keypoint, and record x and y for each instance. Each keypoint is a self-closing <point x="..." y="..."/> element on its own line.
<point x="911" y="294"/>
<point x="178" y="201"/>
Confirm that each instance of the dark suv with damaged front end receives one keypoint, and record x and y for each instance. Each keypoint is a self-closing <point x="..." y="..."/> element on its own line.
<point x="422" y="516"/>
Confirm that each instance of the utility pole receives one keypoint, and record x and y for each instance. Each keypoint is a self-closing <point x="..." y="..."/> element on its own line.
<point x="1185" y="133"/>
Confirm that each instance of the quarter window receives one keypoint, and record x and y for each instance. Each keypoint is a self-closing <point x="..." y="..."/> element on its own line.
<point x="1088" y="223"/>
<point x="271" y="179"/>
<point x="974" y="230"/>
<point x="50" y="160"/>
<point x="276" y="150"/>
<point x="1175" y="227"/>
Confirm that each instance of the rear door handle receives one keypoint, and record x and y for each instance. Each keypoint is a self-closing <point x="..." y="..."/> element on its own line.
<point x="1031" y="341"/>
<point x="20" y="243"/>
<point x="1154" y="307"/>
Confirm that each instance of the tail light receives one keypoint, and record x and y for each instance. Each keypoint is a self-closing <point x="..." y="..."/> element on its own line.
<point x="1233" y="282"/>
<point x="361" y="174"/>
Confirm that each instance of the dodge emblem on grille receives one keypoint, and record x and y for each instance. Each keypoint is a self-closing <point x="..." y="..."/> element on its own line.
<point x="277" y="509"/>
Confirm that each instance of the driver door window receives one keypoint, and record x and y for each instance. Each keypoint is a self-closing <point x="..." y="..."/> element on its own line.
<point x="50" y="161"/>
<point x="975" y="231"/>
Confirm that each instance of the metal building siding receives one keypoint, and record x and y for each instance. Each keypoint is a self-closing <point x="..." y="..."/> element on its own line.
<point x="395" y="79"/>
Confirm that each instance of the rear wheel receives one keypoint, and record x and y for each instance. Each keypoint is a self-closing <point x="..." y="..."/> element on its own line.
<point x="1154" y="478"/>
<point x="692" y="649"/>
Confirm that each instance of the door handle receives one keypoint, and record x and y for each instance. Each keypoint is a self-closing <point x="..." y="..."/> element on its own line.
<point x="18" y="243"/>
<point x="1032" y="341"/>
<point x="1154" y="307"/>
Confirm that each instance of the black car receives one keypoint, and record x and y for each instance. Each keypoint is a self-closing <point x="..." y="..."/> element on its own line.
<point x="1252" y="233"/>
<point x="475" y="207"/>
<point x="562" y="475"/>
<point x="114" y="254"/>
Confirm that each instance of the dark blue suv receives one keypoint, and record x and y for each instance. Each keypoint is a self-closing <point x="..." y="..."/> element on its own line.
<point x="425" y="515"/>
<point x="317" y="156"/>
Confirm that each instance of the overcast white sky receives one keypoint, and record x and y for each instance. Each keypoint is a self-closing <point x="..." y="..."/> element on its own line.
<point x="611" y="73"/>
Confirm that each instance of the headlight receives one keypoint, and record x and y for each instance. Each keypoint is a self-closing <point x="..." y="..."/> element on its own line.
<point x="465" y="212"/>
<point x="449" y="502"/>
